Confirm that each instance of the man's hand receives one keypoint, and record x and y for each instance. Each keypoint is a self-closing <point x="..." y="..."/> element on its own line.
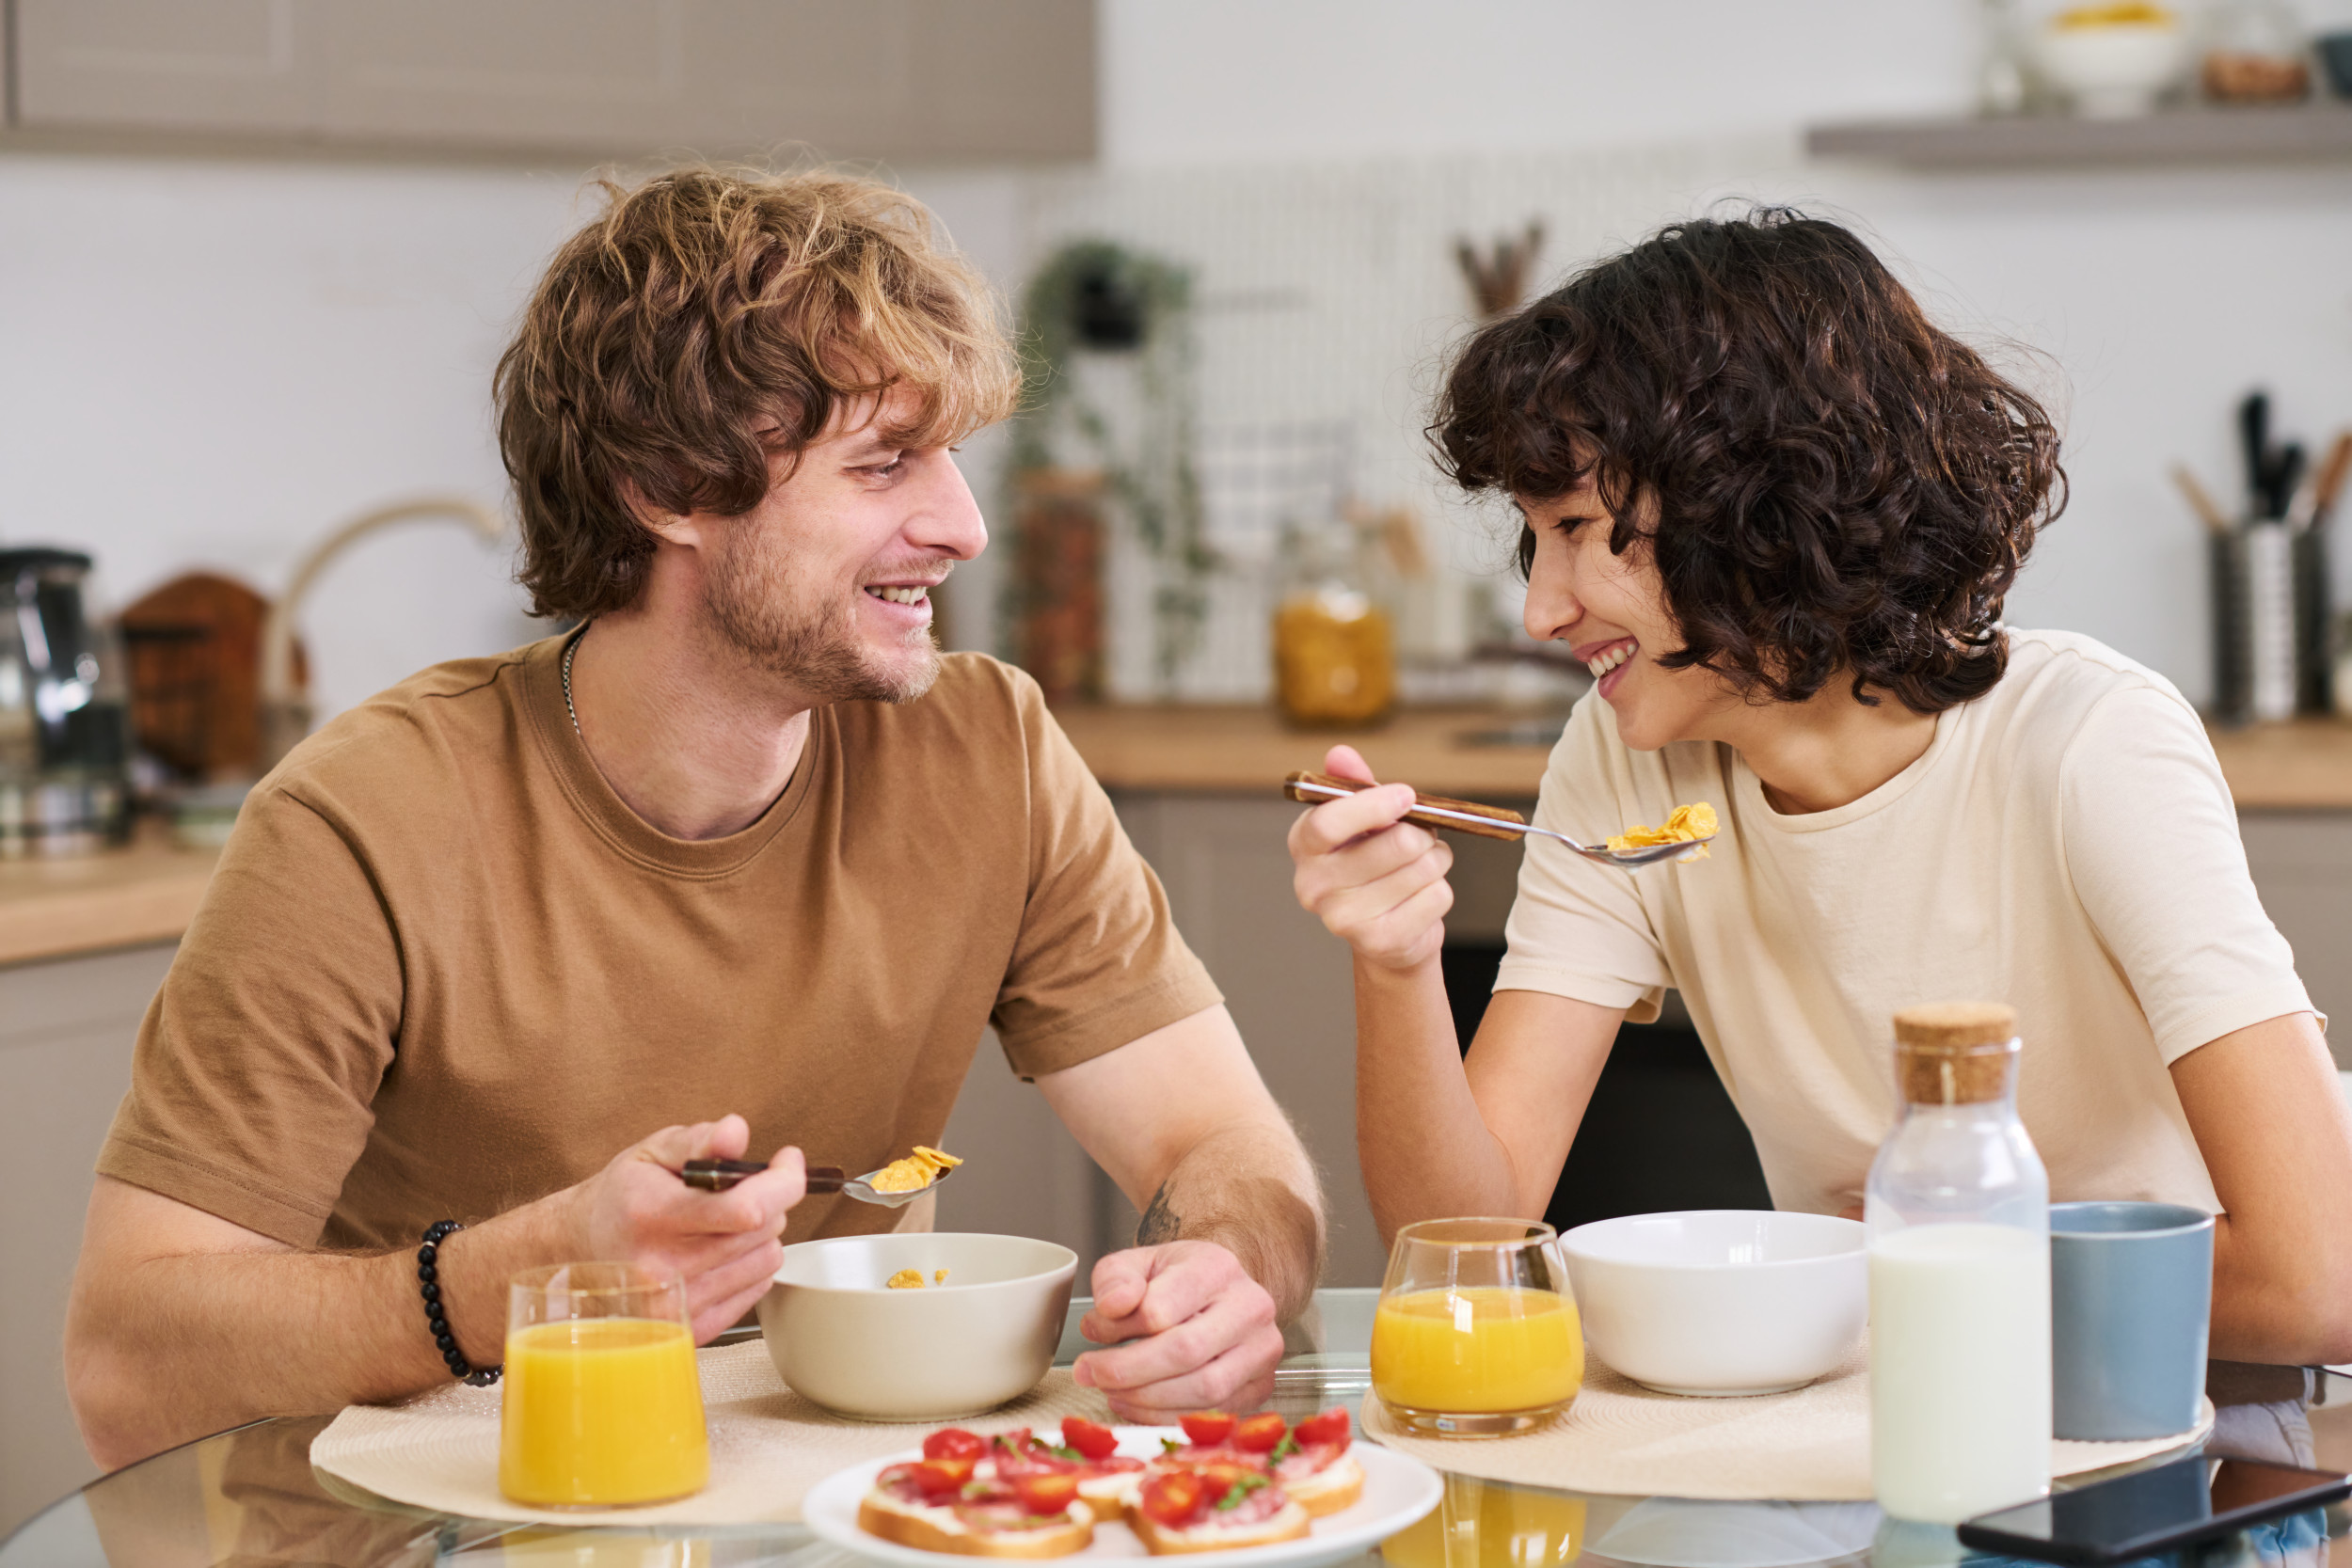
<point x="726" y="1245"/>
<point x="1192" y="1332"/>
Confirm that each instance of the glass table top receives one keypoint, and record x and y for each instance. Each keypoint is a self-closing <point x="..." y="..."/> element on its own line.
<point x="247" y="1499"/>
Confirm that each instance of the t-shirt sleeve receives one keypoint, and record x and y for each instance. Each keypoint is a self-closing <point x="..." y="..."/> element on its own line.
<point x="258" y="1059"/>
<point x="1098" y="962"/>
<point x="2151" y="845"/>
<point x="1577" y="929"/>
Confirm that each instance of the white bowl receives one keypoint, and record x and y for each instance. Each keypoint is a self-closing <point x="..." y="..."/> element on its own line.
<point x="1720" y="1300"/>
<point x="840" y="1337"/>
<point x="2112" y="73"/>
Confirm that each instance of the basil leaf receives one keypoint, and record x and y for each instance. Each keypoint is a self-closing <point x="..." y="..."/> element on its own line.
<point x="1283" y="1450"/>
<point x="1243" y="1486"/>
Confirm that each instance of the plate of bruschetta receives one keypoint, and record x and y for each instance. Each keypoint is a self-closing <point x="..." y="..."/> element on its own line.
<point x="1253" y="1489"/>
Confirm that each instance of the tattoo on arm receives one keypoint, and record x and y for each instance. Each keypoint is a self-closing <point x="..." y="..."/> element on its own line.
<point x="1160" y="1222"/>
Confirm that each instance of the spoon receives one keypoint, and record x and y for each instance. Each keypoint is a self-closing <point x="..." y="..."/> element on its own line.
<point x="1468" y="816"/>
<point x="717" y="1176"/>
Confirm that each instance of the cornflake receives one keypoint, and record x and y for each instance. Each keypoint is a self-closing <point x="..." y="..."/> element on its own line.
<point x="1687" y="824"/>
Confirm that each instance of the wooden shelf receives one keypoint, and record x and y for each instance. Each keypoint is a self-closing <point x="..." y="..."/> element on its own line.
<point x="2321" y="129"/>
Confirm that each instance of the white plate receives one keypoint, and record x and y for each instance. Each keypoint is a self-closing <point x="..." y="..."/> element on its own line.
<point x="1397" y="1491"/>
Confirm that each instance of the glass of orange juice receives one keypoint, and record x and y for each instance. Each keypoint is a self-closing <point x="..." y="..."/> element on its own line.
<point x="1476" y="1335"/>
<point x="603" y="1407"/>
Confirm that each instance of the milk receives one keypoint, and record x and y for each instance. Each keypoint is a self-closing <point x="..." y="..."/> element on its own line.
<point x="1960" y="1370"/>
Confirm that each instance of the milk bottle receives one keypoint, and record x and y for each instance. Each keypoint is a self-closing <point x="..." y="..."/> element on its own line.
<point x="1959" y="1218"/>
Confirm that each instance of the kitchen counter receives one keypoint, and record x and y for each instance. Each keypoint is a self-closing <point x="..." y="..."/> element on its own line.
<point x="146" y="893"/>
<point x="2302" y="765"/>
<point x="1248" y="750"/>
<point x="84" y="904"/>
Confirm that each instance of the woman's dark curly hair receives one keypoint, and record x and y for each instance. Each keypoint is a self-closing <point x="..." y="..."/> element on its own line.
<point x="1840" y="488"/>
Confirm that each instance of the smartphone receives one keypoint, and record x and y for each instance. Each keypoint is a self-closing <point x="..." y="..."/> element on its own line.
<point x="2190" y="1499"/>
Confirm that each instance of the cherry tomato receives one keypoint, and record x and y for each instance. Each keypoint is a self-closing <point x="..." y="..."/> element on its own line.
<point x="1208" y="1428"/>
<point x="1046" y="1493"/>
<point x="941" y="1477"/>
<point x="1259" y="1434"/>
<point x="953" y="1443"/>
<point x="1330" y="1426"/>
<point x="1172" y="1498"/>
<point x="1092" y="1439"/>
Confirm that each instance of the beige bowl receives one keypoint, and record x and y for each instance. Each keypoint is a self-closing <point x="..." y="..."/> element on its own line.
<point x="986" y="1336"/>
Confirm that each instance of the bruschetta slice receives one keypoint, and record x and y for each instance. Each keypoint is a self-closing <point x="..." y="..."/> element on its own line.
<point x="942" y="1505"/>
<point x="1311" y="1462"/>
<point x="1212" y="1508"/>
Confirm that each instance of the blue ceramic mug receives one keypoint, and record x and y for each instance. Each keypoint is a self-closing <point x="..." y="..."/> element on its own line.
<point x="2131" y="1292"/>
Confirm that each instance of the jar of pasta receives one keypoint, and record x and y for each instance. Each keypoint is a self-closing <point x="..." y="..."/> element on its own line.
<point x="1334" y="652"/>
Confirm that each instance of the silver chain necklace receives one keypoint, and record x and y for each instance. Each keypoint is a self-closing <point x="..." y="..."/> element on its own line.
<point x="569" y="650"/>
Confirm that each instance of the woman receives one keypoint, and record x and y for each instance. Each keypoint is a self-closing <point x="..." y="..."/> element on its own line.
<point x="1776" y="510"/>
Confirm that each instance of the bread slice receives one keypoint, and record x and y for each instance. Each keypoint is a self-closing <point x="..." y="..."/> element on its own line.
<point x="1212" y="1534"/>
<point x="934" y="1529"/>
<point x="1325" y="1492"/>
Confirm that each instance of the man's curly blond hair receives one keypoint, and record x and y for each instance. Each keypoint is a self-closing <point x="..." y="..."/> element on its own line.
<point x="706" y="321"/>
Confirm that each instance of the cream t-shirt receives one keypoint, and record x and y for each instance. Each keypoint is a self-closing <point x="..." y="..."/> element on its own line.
<point x="2066" y="844"/>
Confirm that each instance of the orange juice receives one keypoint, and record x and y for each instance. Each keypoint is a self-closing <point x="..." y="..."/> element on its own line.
<point x="1491" y="1524"/>
<point x="1477" y="1348"/>
<point x="602" y="1412"/>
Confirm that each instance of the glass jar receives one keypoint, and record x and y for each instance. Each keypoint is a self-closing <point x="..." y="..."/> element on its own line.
<point x="1334" y="654"/>
<point x="1958" y="1212"/>
<point x="2255" y="52"/>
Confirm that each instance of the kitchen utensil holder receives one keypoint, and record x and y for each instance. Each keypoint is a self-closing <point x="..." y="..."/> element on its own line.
<point x="2230" y="572"/>
<point x="2232" y="663"/>
<point x="2315" y="618"/>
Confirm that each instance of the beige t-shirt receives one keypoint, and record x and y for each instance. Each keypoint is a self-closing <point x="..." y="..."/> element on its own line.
<point x="443" y="970"/>
<point x="2066" y="844"/>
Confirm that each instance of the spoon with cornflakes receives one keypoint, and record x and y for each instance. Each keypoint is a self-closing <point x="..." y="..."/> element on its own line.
<point x="895" y="1185"/>
<point x="1683" y="836"/>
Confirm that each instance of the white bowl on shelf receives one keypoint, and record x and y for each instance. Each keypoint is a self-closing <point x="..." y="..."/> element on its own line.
<point x="2113" y="72"/>
<point x="1720" y="1302"/>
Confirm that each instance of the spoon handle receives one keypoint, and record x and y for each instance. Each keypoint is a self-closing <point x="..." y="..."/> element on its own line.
<point x="1455" y="816"/>
<point x="717" y="1176"/>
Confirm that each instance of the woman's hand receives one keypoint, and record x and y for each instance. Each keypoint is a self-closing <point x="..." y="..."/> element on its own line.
<point x="1373" y="880"/>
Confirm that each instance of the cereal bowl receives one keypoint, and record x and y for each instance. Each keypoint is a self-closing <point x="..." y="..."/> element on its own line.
<point x="955" y="1347"/>
<point x="1720" y="1300"/>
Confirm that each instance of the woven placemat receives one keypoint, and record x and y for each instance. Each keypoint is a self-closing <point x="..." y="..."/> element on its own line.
<point x="1809" y="1444"/>
<point x="767" y="1446"/>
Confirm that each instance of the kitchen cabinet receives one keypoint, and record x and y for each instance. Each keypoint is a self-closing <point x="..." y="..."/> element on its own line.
<point x="66" y="1031"/>
<point x="2302" y="865"/>
<point x="907" y="79"/>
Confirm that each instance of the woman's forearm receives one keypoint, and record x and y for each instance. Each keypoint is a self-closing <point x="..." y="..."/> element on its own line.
<point x="2271" y="1123"/>
<point x="1426" y="1151"/>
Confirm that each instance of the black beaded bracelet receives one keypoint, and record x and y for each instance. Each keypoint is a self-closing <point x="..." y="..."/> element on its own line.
<point x="429" y="1282"/>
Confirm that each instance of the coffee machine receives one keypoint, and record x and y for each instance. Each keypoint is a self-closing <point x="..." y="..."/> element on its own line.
<point x="65" y="742"/>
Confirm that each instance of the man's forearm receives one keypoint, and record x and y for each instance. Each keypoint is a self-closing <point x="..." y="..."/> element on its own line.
<point x="1250" y="1189"/>
<point x="163" y="1346"/>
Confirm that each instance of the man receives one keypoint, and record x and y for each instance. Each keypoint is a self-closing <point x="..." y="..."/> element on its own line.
<point x="741" y="865"/>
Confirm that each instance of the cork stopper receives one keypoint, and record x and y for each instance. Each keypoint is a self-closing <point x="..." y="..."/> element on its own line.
<point x="1954" y="1052"/>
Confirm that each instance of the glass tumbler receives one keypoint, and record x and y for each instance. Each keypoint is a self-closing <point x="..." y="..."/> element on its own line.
<point x="603" y="1407"/>
<point x="1476" y="1333"/>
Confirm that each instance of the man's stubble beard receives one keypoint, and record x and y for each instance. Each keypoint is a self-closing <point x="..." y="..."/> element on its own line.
<point x="769" y="612"/>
